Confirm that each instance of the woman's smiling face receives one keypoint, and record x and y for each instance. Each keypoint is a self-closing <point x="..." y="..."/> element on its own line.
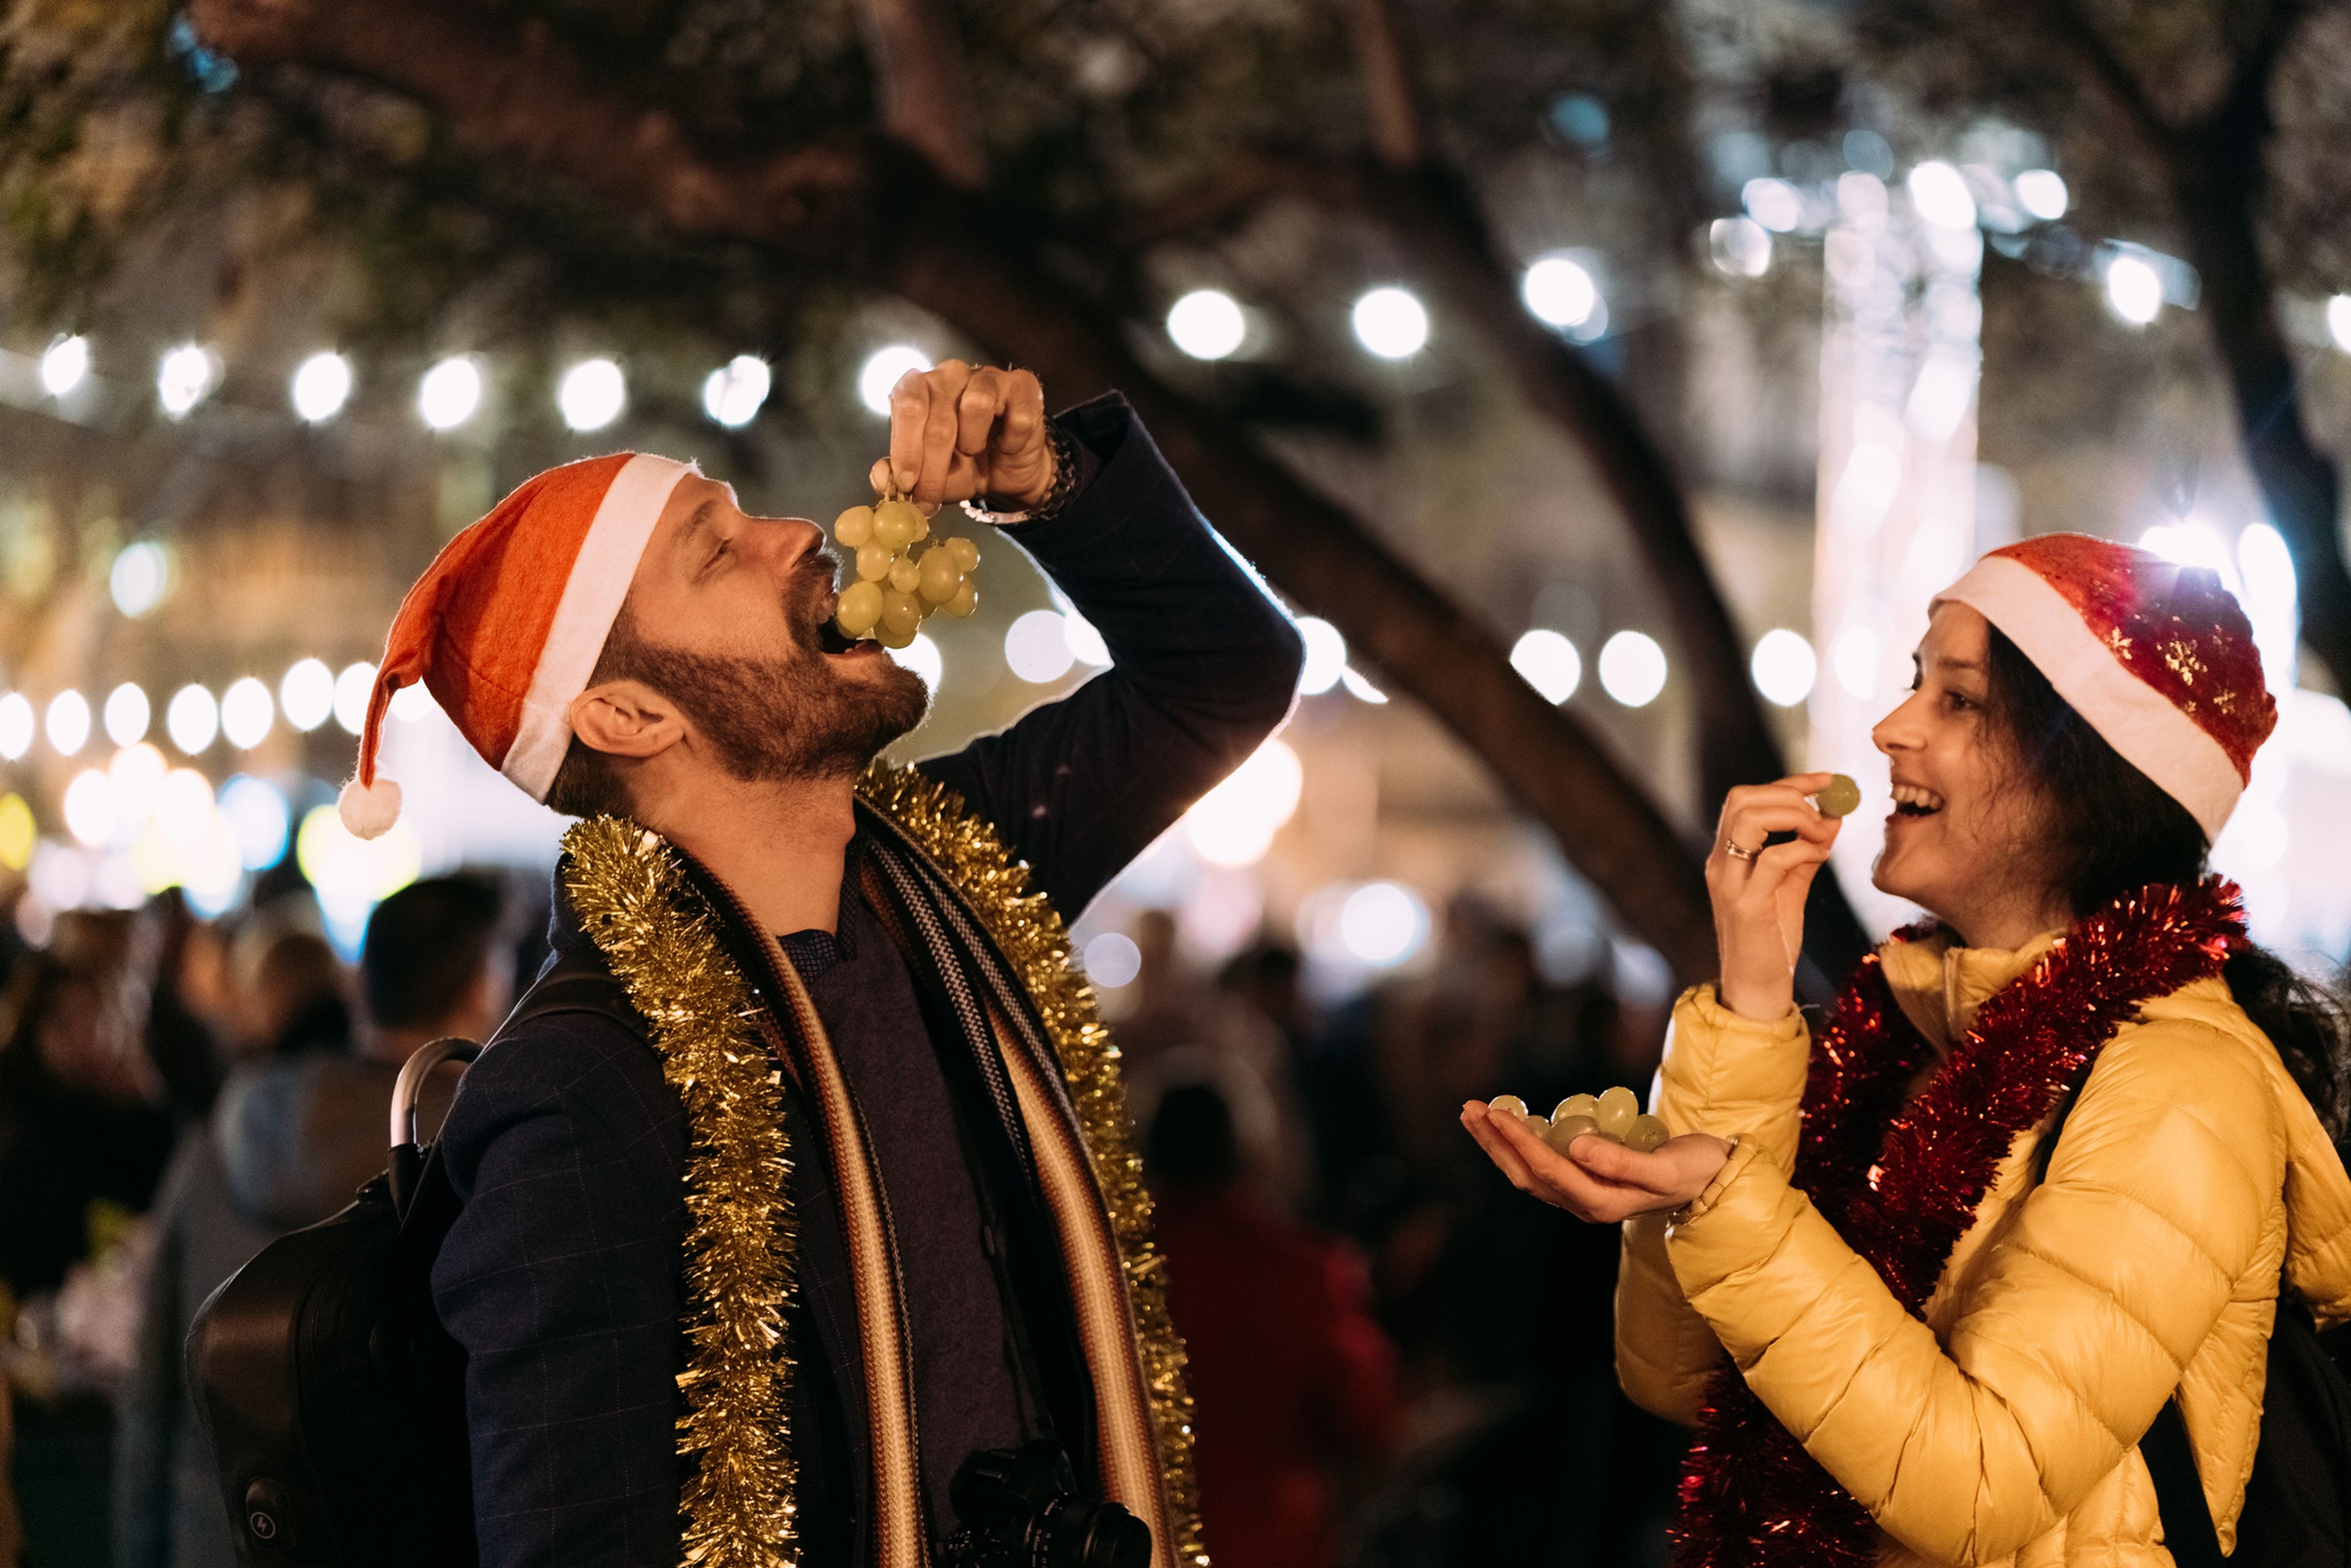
<point x="1964" y="838"/>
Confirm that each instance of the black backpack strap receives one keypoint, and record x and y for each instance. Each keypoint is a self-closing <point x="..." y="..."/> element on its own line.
<point x="578" y="983"/>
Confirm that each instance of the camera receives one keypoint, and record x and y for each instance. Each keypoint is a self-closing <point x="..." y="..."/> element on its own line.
<point x="1019" y="1508"/>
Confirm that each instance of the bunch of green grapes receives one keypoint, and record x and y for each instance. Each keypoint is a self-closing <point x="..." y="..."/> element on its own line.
<point x="1615" y="1115"/>
<point x="896" y="588"/>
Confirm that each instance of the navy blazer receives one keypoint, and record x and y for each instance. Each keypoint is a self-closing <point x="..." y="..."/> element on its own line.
<point x="561" y="1277"/>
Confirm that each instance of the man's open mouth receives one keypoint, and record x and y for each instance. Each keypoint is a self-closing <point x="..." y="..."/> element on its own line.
<point x="1916" y="801"/>
<point x="828" y="638"/>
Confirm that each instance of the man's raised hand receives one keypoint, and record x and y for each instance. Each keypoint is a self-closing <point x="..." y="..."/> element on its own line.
<point x="958" y="433"/>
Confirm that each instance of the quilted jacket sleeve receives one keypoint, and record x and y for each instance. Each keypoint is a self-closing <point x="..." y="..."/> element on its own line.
<point x="1736" y="1077"/>
<point x="2078" y="1317"/>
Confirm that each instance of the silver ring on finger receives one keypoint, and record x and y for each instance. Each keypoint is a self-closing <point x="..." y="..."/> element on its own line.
<point x="1735" y="852"/>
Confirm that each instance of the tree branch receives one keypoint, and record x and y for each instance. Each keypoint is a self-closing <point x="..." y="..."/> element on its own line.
<point x="533" y="102"/>
<point x="475" y="74"/>
<point x="1391" y="105"/>
<point x="926" y="92"/>
<point x="2098" y="68"/>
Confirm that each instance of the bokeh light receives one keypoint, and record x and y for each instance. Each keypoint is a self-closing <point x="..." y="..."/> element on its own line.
<point x="137" y="773"/>
<point x="1037" y="648"/>
<point x="258" y="819"/>
<point x="1383" y="924"/>
<point x="184" y="376"/>
<point x="1740" y="247"/>
<point x="1548" y="662"/>
<point x="17" y="832"/>
<point x="882" y="371"/>
<point x="141" y="576"/>
<point x="922" y="656"/>
<point x="1855" y="657"/>
<point x="449" y="393"/>
<point x="1207" y="324"/>
<point x="1784" y="666"/>
<point x="306" y="696"/>
<point x="350" y="875"/>
<point x="1086" y="644"/>
<point x="246" y="714"/>
<point x="17" y="725"/>
<point x="733" y="393"/>
<point x="193" y="719"/>
<point x="1112" y="960"/>
<point x="1233" y="823"/>
<point x="184" y="805"/>
<point x="1632" y="668"/>
<point x="1941" y="196"/>
<point x="1391" y="322"/>
<point x="1775" y="204"/>
<point x="322" y="384"/>
<point x="88" y="804"/>
<point x="352" y="689"/>
<point x="68" y="722"/>
<point x="1326" y="655"/>
<point x="591" y="394"/>
<point x="2133" y="290"/>
<point x="126" y="715"/>
<point x="2042" y="193"/>
<point x="65" y="364"/>
<point x="1559" y="290"/>
<point x="2338" y="321"/>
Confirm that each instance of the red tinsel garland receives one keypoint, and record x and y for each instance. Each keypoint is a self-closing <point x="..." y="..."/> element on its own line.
<point x="1901" y="1183"/>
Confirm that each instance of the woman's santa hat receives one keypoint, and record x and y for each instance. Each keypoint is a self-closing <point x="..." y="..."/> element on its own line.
<point x="2157" y="658"/>
<point x="505" y="626"/>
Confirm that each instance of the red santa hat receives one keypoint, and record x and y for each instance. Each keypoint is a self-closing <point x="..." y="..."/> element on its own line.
<point x="2157" y="658"/>
<point x="505" y="626"/>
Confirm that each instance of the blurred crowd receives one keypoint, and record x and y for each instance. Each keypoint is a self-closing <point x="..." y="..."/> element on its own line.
<point x="1398" y="1359"/>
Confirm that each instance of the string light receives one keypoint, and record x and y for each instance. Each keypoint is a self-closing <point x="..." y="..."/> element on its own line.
<point x="352" y="689"/>
<point x="141" y="576"/>
<point x="1549" y="662"/>
<point x="1559" y="290"/>
<point x="1941" y="196"/>
<point x="127" y="714"/>
<point x="193" y="719"/>
<point x="184" y="376"/>
<point x="2042" y="193"/>
<point x="2133" y="290"/>
<point x="1784" y="666"/>
<point x="1037" y="648"/>
<point x="246" y="714"/>
<point x="64" y="365"/>
<point x="1207" y="324"/>
<point x="449" y="393"/>
<point x="16" y="725"/>
<point x="1632" y="668"/>
<point x="591" y="394"/>
<point x="882" y="371"/>
<point x="307" y="695"/>
<point x="734" y="391"/>
<point x="1391" y="323"/>
<point x="322" y="384"/>
<point x="68" y="722"/>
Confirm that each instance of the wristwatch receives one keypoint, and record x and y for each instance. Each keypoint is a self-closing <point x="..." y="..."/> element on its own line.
<point x="1066" y="465"/>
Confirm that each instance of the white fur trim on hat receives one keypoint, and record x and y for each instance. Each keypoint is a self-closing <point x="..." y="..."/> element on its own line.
<point x="591" y="601"/>
<point x="2140" y="723"/>
<point x="369" y="810"/>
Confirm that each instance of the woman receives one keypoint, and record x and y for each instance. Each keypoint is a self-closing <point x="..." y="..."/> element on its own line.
<point x="1938" y="1350"/>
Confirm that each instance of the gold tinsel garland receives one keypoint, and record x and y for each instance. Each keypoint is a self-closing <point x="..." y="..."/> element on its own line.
<point x="739" y="1506"/>
<point x="1028" y="930"/>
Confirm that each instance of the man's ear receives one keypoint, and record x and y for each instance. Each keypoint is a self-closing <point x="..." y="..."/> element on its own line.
<point x="626" y="718"/>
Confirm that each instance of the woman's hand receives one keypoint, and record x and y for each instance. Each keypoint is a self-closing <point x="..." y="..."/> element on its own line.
<point x="958" y="433"/>
<point x="1759" y="894"/>
<point x="1597" y="1179"/>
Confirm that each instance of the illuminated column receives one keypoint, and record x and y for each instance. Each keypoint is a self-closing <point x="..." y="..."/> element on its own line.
<point x="1901" y="355"/>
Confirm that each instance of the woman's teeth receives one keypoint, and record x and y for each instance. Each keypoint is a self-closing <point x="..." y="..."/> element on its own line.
<point x="1915" y="799"/>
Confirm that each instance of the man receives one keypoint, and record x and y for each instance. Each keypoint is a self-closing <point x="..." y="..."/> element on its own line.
<point x="801" y="1173"/>
<point x="291" y="1140"/>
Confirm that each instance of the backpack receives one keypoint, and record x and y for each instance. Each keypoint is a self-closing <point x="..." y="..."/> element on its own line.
<point x="332" y="1397"/>
<point x="2298" y="1511"/>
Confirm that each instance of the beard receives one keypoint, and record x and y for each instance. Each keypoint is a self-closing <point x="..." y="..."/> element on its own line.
<point x="793" y="717"/>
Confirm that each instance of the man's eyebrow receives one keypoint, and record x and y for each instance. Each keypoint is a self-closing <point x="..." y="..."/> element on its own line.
<point x="695" y="523"/>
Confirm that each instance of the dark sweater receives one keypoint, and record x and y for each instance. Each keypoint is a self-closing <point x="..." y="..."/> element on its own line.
<point x="562" y="1275"/>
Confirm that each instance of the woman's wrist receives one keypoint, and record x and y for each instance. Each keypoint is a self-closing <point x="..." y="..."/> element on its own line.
<point x="1757" y="1003"/>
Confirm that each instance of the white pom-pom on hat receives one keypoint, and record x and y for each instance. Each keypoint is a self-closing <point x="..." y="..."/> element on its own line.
<point x="369" y="810"/>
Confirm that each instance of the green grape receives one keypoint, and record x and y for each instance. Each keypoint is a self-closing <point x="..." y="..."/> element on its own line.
<point x="904" y="574"/>
<point x="859" y="610"/>
<point x="965" y="600"/>
<point x="901" y="614"/>
<point x="873" y="560"/>
<point x="853" y="527"/>
<point x="1616" y="1110"/>
<point x="889" y="639"/>
<point x="940" y="576"/>
<point x="1645" y="1134"/>
<point x="1507" y="1105"/>
<point x="965" y="553"/>
<point x="1567" y="1129"/>
<point x="1576" y="1105"/>
<point x="923" y="522"/>
<point x="1839" y="798"/>
<point x="897" y="524"/>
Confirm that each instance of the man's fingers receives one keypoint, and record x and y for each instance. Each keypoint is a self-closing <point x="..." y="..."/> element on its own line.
<point x="939" y="424"/>
<point x="910" y="408"/>
<point x="977" y="410"/>
<point x="1024" y="409"/>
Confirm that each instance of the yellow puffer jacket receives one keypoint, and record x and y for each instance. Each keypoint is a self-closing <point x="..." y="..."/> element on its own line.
<point x="2192" y="1174"/>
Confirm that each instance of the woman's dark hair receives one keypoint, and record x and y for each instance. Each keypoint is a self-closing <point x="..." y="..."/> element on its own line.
<point x="2114" y="831"/>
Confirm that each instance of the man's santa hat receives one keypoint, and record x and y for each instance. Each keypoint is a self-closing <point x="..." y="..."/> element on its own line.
<point x="505" y="626"/>
<point x="2157" y="658"/>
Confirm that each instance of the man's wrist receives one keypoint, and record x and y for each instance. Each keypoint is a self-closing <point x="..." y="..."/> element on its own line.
<point x="1067" y="470"/>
